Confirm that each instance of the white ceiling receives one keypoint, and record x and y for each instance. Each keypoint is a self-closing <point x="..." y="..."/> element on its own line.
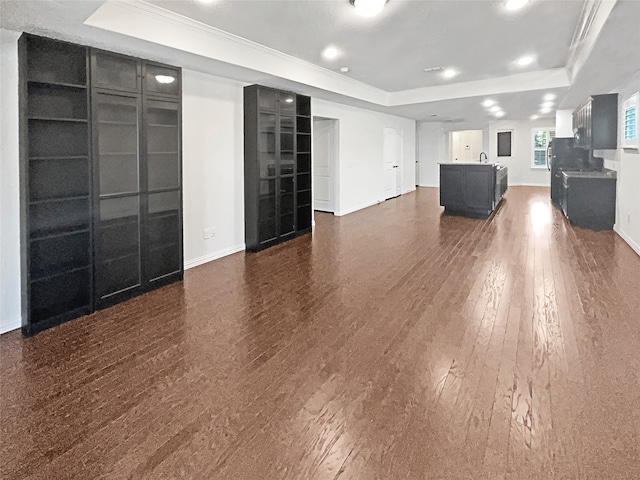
<point x="278" y="43"/>
<point x="480" y="39"/>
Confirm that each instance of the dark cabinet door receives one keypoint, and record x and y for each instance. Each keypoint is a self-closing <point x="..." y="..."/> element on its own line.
<point x="163" y="219"/>
<point x="161" y="80"/>
<point x="118" y="177"/>
<point x="115" y="72"/>
<point x="451" y="187"/>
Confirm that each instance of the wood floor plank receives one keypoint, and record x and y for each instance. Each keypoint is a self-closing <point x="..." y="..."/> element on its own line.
<point x="394" y="342"/>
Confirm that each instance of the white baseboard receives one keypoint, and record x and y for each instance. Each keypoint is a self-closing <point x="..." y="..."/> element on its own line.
<point x="213" y="256"/>
<point x="355" y="209"/>
<point x="11" y="325"/>
<point x="627" y="239"/>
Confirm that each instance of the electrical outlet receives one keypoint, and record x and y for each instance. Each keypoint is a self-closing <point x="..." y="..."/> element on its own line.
<point x="213" y="231"/>
<point x="207" y="233"/>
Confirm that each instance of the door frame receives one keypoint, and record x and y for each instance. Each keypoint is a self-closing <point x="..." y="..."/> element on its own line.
<point x="334" y="162"/>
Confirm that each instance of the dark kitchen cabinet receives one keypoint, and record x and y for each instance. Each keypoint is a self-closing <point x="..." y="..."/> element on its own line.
<point x="589" y="199"/>
<point x="472" y="189"/>
<point x="277" y="139"/>
<point x="595" y="122"/>
<point x="100" y="179"/>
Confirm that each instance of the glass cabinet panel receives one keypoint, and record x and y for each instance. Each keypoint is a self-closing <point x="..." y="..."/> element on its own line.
<point x="162" y="80"/>
<point x="163" y="145"/>
<point x="118" y="251"/>
<point x="115" y="72"/>
<point x="164" y="254"/>
<point x="118" y="144"/>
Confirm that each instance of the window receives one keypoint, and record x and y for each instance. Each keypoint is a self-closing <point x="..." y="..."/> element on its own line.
<point x="540" y="139"/>
<point x="630" y="122"/>
<point x="504" y="144"/>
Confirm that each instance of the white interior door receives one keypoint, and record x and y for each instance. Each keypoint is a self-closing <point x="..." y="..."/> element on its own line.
<point x="324" y="143"/>
<point x="392" y="162"/>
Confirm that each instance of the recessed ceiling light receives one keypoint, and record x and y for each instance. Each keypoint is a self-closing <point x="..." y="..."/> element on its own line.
<point x="344" y="69"/>
<point x="494" y="108"/>
<point x="499" y="114"/>
<point x="548" y="97"/>
<point x="368" y="8"/>
<point x="330" y="53"/>
<point x="515" y="4"/>
<point x="533" y="117"/>
<point x="449" y="73"/>
<point x="545" y="110"/>
<point x="547" y="105"/>
<point x="488" y="102"/>
<point x="206" y="1"/>
<point x="524" y="61"/>
<point x="288" y="100"/>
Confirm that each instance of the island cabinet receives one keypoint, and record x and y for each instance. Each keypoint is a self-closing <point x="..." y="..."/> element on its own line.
<point x="471" y="189"/>
<point x="588" y="199"/>
<point x="277" y="165"/>
<point x="100" y="177"/>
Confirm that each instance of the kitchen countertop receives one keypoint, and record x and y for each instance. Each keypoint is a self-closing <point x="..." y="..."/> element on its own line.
<point x="577" y="174"/>
<point x="470" y="164"/>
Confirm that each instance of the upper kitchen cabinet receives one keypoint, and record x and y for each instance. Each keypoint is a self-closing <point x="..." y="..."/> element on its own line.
<point x="595" y="122"/>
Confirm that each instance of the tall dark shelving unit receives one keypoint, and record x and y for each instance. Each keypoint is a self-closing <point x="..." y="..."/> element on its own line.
<point x="138" y="195"/>
<point x="55" y="177"/>
<point x="100" y="175"/>
<point x="277" y="140"/>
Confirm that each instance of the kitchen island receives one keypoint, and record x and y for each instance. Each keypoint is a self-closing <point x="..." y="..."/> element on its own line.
<point x="472" y="189"/>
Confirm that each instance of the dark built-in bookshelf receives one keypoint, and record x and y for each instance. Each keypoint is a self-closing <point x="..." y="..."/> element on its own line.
<point x="100" y="179"/>
<point x="277" y="136"/>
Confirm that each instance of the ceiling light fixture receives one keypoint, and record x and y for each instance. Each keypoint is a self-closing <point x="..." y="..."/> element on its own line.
<point x="165" y="79"/>
<point x="545" y="110"/>
<point x="449" y="73"/>
<point x="488" y="103"/>
<point x="344" y="69"/>
<point x="548" y="97"/>
<point x="368" y="8"/>
<point x="288" y="100"/>
<point x="515" y="4"/>
<point x="330" y="53"/>
<point x="524" y="61"/>
<point x="547" y="105"/>
<point x="533" y="117"/>
<point x="206" y="1"/>
<point x="494" y="108"/>
<point x="499" y="114"/>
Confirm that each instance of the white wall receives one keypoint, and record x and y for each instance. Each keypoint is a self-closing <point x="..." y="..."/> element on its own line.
<point x="519" y="164"/>
<point x="10" y="306"/>
<point x="431" y="151"/>
<point x="564" y="123"/>
<point x="627" y="164"/>
<point x="213" y="166"/>
<point x="360" y="147"/>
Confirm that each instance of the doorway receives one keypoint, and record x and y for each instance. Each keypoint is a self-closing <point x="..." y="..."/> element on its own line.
<point x="465" y="146"/>
<point x="392" y="157"/>
<point x="325" y="161"/>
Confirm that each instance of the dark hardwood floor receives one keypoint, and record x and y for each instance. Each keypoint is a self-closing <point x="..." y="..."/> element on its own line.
<point x="393" y="343"/>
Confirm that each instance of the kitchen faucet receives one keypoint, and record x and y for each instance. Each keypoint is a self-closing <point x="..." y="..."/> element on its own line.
<point x="485" y="157"/>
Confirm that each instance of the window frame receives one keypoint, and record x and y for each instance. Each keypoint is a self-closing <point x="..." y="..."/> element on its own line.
<point x="551" y="134"/>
